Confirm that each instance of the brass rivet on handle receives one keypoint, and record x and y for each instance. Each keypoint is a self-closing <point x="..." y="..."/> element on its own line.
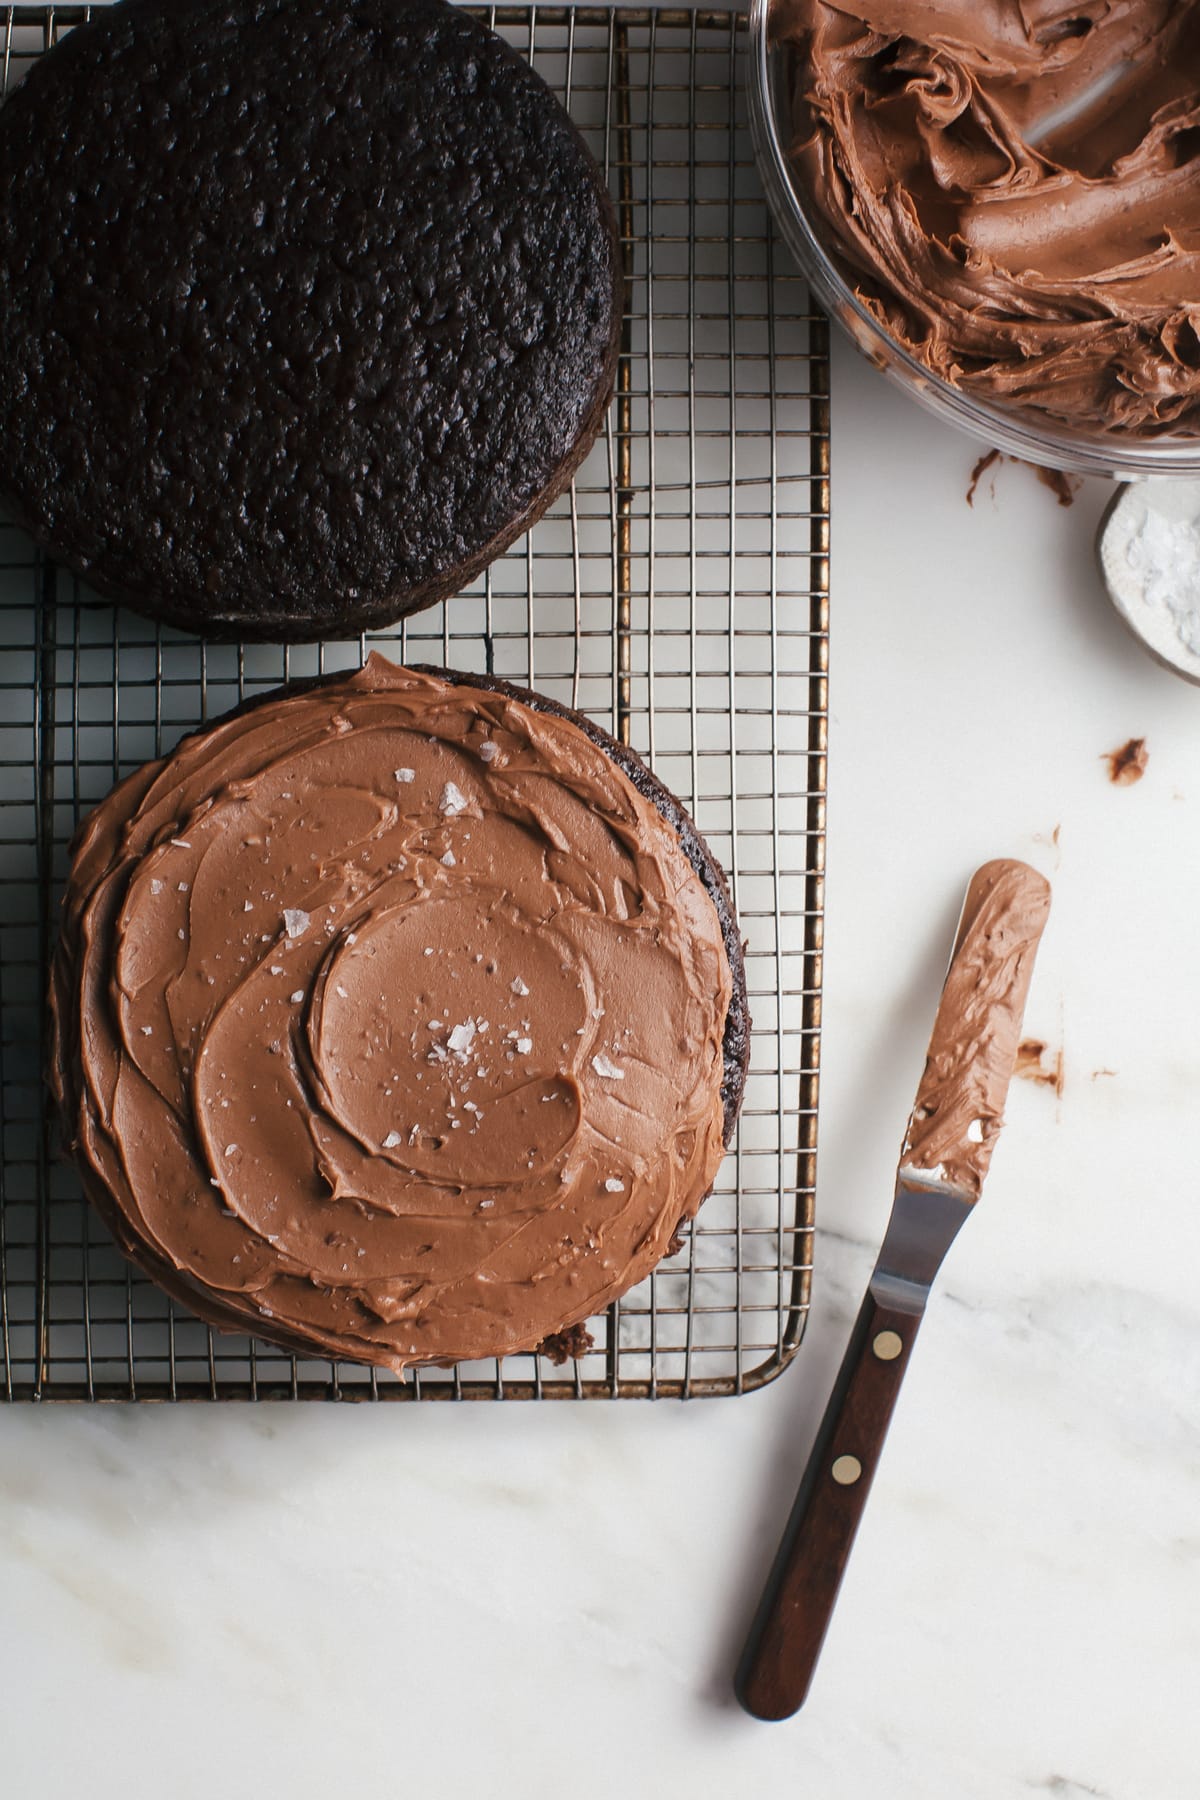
<point x="888" y="1345"/>
<point x="846" y="1470"/>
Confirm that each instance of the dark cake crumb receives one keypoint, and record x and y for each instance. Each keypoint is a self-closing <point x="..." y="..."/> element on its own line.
<point x="1128" y="764"/>
<point x="568" y="1345"/>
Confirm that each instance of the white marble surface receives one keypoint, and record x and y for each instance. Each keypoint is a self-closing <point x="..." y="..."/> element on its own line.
<point x="507" y="1601"/>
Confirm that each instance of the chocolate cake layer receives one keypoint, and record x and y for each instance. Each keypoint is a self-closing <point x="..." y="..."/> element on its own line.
<point x="309" y="307"/>
<point x="395" y="1019"/>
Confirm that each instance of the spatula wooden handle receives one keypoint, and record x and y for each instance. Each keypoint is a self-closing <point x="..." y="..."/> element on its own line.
<point x="789" y="1627"/>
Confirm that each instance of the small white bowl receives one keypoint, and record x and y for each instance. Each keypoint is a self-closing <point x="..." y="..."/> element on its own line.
<point x="1149" y="550"/>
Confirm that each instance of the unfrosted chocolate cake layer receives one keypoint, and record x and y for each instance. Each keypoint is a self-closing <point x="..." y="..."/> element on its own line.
<point x="308" y="307"/>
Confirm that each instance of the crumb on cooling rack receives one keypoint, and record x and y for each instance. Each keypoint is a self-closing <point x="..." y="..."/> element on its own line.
<point x="565" y="1346"/>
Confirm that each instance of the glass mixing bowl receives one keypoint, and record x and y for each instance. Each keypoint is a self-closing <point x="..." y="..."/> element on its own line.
<point x="1012" y="429"/>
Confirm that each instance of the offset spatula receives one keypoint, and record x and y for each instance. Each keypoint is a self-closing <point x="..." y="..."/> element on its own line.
<point x="958" y="1112"/>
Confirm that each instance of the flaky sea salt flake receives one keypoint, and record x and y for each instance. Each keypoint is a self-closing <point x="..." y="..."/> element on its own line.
<point x="613" y="1186"/>
<point x="298" y="996"/>
<point x="405" y="776"/>
<point x="606" y="1069"/>
<point x="524" y="1046"/>
<point x="295" y="921"/>
<point x="488" y="751"/>
<point x="449" y="860"/>
<point x="452" y="802"/>
<point x="518" y="986"/>
<point x="461" y="1037"/>
<point x="392" y="1139"/>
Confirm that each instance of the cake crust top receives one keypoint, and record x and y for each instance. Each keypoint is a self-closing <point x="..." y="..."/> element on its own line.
<point x="306" y="306"/>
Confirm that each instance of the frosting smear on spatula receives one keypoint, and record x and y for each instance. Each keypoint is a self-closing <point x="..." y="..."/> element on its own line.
<point x="960" y="1102"/>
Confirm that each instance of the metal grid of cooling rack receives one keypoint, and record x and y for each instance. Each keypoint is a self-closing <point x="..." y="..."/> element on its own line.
<point x="677" y="594"/>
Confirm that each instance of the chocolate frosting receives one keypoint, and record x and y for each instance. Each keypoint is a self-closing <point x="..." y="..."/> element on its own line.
<point x="389" y="1021"/>
<point x="960" y="1103"/>
<point x="1011" y="186"/>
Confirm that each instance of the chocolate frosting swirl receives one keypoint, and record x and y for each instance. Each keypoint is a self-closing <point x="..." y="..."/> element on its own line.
<point x="1011" y="185"/>
<point x="389" y="1021"/>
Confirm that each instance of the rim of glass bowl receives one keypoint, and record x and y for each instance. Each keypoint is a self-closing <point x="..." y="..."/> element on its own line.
<point x="1081" y="452"/>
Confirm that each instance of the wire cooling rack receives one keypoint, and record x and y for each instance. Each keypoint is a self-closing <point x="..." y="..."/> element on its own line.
<point x="677" y="595"/>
